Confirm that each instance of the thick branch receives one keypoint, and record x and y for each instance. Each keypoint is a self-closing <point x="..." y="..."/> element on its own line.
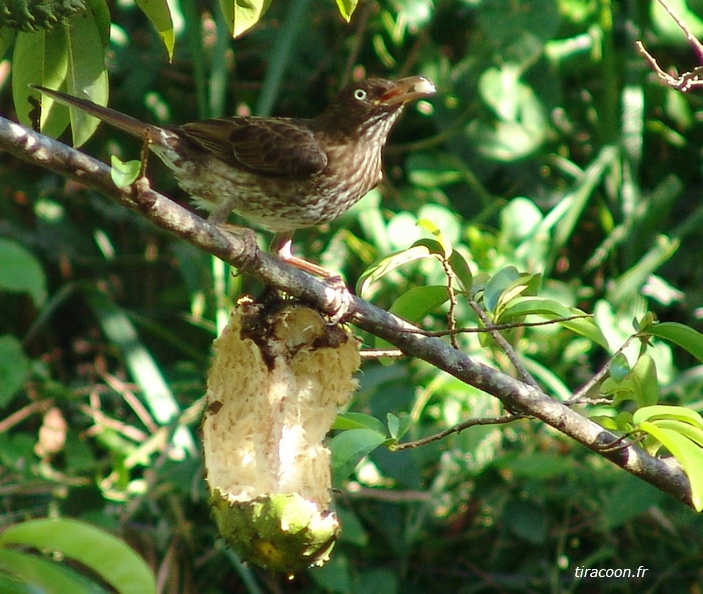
<point x="238" y="251"/>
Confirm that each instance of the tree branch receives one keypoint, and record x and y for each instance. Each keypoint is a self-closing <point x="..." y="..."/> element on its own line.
<point x="242" y="253"/>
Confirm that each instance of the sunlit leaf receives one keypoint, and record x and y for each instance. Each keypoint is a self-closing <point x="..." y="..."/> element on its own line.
<point x="159" y="13"/>
<point x="665" y="411"/>
<point x="346" y="8"/>
<point x="242" y="15"/>
<point x="124" y="173"/>
<point x="681" y="335"/>
<point x="356" y="420"/>
<point x="688" y="453"/>
<point x="349" y="448"/>
<point x="98" y="550"/>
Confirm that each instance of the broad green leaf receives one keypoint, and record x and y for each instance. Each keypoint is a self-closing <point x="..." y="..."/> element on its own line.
<point x="689" y="454"/>
<point x="124" y="173"/>
<point x="416" y="303"/>
<point x="346" y="8"/>
<point x="355" y="420"/>
<point x="86" y="75"/>
<point x="553" y="310"/>
<point x="7" y="36"/>
<point x="442" y="239"/>
<point x="349" y="447"/>
<point x="619" y="367"/>
<point x="695" y="434"/>
<point x="398" y="425"/>
<point x="14" y="366"/>
<point x="45" y="576"/>
<point x="159" y="13"/>
<point x="524" y="284"/>
<point x="645" y="374"/>
<point x="241" y="15"/>
<point x="681" y="335"/>
<point x="665" y="411"/>
<point x="40" y="58"/>
<point x="495" y="286"/>
<point x="21" y="272"/>
<point x="462" y="270"/>
<point x="389" y="263"/>
<point x="108" y="556"/>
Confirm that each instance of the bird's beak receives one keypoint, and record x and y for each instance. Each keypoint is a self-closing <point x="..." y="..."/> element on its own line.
<point x="408" y="89"/>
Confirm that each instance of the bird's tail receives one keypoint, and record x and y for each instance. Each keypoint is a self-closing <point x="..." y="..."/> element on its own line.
<point x="154" y="134"/>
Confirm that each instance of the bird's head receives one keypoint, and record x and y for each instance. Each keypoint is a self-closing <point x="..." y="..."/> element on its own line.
<point x="371" y="106"/>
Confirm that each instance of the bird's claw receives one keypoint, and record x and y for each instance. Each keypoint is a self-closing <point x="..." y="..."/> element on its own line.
<point x="341" y="300"/>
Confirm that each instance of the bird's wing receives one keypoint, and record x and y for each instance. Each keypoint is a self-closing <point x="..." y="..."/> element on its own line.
<point x="272" y="146"/>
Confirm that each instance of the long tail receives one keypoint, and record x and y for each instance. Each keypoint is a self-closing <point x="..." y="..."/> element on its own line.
<point x="119" y="120"/>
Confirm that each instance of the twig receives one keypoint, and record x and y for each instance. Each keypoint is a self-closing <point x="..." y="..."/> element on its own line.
<point x="688" y="80"/>
<point x="458" y="428"/>
<point x="507" y="348"/>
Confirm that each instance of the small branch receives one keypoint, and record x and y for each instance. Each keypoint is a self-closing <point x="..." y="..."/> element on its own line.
<point x="530" y="400"/>
<point x="458" y="428"/>
<point x="507" y="348"/>
<point x="688" y="80"/>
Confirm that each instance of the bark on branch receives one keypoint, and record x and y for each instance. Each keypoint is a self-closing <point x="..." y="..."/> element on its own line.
<point x="527" y="400"/>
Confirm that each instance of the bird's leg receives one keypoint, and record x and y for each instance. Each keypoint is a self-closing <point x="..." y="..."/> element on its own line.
<point x="341" y="298"/>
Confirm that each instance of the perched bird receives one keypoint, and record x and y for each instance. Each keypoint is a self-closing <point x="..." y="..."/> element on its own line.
<point x="281" y="174"/>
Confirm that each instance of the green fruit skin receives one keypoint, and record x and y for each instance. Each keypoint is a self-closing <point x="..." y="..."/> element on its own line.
<point x="33" y="15"/>
<point x="282" y="532"/>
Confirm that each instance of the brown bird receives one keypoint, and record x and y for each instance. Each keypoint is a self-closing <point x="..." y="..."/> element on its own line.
<point x="281" y="174"/>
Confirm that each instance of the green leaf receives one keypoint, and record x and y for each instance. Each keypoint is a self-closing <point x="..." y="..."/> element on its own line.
<point x="108" y="556"/>
<point x="349" y="447"/>
<point x="14" y="366"/>
<point x="241" y="15"/>
<point x="498" y="283"/>
<point x="346" y="8"/>
<point x="21" y="272"/>
<point x="416" y="303"/>
<point x="355" y="420"/>
<point x="69" y="58"/>
<point x="442" y="239"/>
<point x="665" y="411"/>
<point x="681" y="335"/>
<point x="159" y="13"/>
<point x="124" y="173"/>
<point x="40" y="58"/>
<point x="645" y="374"/>
<point x="398" y="425"/>
<point x="553" y="310"/>
<point x="45" y="576"/>
<point x="389" y="263"/>
<point x="86" y="76"/>
<point x="689" y="454"/>
<point x="462" y="270"/>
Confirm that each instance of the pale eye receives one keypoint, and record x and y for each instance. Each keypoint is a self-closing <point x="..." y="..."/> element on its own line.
<point x="360" y="94"/>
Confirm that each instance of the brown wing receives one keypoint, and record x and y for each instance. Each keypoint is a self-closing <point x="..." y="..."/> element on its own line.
<point x="272" y="146"/>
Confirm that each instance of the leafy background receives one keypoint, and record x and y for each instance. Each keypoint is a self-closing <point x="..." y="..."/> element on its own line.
<point x="549" y="148"/>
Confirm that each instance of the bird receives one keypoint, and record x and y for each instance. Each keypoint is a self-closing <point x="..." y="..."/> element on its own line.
<point x="279" y="174"/>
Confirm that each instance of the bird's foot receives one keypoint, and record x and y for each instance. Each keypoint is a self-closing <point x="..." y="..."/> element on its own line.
<point x="340" y="298"/>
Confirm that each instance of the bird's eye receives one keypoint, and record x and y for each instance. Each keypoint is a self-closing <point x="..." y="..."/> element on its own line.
<point x="360" y="94"/>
